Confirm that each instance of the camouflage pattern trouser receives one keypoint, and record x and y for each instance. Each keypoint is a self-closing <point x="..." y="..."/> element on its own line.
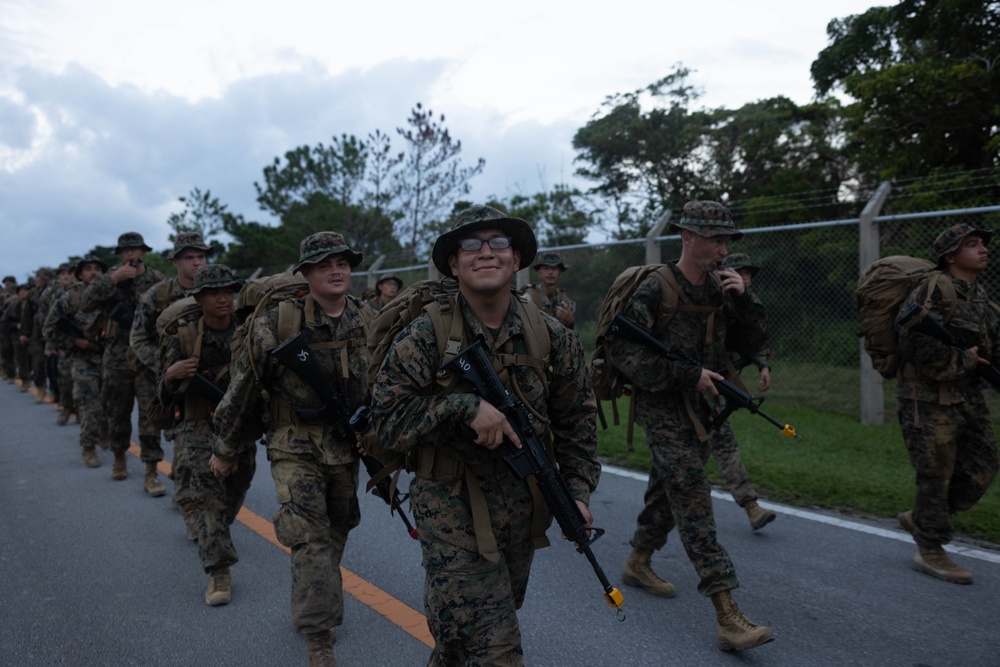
<point x="726" y="452"/>
<point x="319" y="507"/>
<point x="23" y="360"/>
<point x="38" y="361"/>
<point x="954" y="453"/>
<point x="679" y="495"/>
<point x="7" y="357"/>
<point x="67" y="401"/>
<point x="87" y="390"/>
<point x="471" y="603"/>
<point x="218" y="502"/>
<point x="122" y="386"/>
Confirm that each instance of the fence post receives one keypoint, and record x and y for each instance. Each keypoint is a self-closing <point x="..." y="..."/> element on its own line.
<point x="652" y="245"/>
<point x="872" y="399"/>
<point x="372" y="277"/>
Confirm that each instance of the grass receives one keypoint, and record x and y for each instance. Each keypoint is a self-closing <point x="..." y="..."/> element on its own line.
<point x="834" y="463"/>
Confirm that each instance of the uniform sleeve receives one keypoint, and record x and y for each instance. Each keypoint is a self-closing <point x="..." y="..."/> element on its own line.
<point x="55" y="337"/>
<point x="171" y="354"/>
<point x="406" y="409"/>
<point x="648" y="370"/>
<point x="143" y="337"/>
<point x="97" y="293"/>
<point x="572" y="413"/>
<point x="241" y="395"/>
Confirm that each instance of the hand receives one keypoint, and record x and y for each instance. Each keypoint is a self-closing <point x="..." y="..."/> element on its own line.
<point x="85" y="344"/>
<point x="222" y="468"/>
<point x="491" y="426"/>
<point x="181" y="370"/>
<point x="729" y="279"/>
<point x="588" y="518"/>
<point x="765" y="379"/>
<point x="49" y="353"/>
<point x="563" y="314"/>
<point x="706" y="381"/>
<point x="124" y="272"/>
<point x="975" y="355"/>
<point x="23" y="339"/>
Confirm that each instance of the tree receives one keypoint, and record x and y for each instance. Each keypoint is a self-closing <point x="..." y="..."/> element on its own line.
<point x="645" y="160"/>
<point x="559" y="217"/>
<point x="430" y="178"/>
<point x="202" y="213"/>
<point x="925" y="82"/>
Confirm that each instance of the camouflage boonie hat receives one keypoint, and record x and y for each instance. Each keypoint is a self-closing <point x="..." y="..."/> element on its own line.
<point x="707" y="218"/>
<point x="389" y="276"/>
<point x="740" y="260"/>
<point x="193" y="240"/>
<point x="10" y="279"/>
<point x="550" y="259"/>
<point x="45" y="273"/>
<point x="65" y="266"/>
<point x="949" y="240"/>
<point x="484" y="217"/>
<point x="322" y="244"/>
<point x="214" y="276"/>
<point x="89" y="259"/>
<point x="131" y="240"/>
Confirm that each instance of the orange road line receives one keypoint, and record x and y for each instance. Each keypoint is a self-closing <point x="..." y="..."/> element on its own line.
<point x="395" y="611"/>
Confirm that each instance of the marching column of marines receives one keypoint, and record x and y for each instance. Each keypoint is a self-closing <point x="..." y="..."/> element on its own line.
<point x="100" y="339"/>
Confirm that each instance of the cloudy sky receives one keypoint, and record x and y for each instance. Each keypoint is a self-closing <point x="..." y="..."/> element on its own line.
<point x="111" y="110"/>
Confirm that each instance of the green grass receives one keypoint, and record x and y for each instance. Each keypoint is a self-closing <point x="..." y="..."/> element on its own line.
<point x="834" y="463"/>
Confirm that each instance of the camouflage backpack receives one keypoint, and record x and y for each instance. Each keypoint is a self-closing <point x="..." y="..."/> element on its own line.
<point x="881" y="291"/>
<point x="609" y="382"/>
<point x="180" y="318"/>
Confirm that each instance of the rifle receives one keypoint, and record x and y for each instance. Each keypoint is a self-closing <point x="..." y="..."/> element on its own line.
<point x="199" y="386"/>
<point x="296" y="355"/>
<point x="473" y="365"/>
<point x="69" y="325"/>
<point x="735" y="397"/>
<point x="914" y="319"/>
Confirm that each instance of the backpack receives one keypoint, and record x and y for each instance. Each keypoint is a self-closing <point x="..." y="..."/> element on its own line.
<point x="173" y="321"/>
<point x="881" y="291"/>
<point x="609" y="382"/>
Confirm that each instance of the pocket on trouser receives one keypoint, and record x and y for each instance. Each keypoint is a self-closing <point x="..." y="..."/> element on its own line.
<point x="290" y="527"/>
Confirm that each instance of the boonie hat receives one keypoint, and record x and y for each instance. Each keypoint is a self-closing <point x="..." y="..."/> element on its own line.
<point x="46" y="273"/>
<point x="131" y="240"/>
<point x="214" y="276"/>
<point x="10" y="279"/>
<point x="393" y="277"/>
<point x="949" y="240"/>
<point x="89" y="259"/>
<point x="740" y="260"/>
<point x="484" y="217"/>
<point x="322" y="244"/>
<point x="707" y="218"/>
<point x="186" y="240"/>
<point x="550" y="259"/>
<point x="65" y="266"/>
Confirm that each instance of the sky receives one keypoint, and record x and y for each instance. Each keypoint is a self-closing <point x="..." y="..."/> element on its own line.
<point x="111" y="110"/>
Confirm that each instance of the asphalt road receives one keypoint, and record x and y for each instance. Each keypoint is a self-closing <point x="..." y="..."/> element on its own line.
<point x="94" y="572"/>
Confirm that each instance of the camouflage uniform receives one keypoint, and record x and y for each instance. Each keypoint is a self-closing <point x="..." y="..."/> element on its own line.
<point x="470" y="593"/>
<point x="939" y="401"/>
<point x="315" y="473"/>
<point x="665" y="401"/>
<point x="8" y="364"/>
<point x="546" y="302"/>
<point x="122" y="386"/>
<point x="380" y="300"/>
<point x="14" y="321"/>
<point x="32" y="319"/>
<point x="723" y="445"/>
<point x="64" y="363"/>
<point x="215" y="501"/>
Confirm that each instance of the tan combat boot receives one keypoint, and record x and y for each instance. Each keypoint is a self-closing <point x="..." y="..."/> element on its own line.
<point x="40" y="395"/>
<point x="63" y="417"/>
<point x="639" y="572"/>
<point x="152" y="484"/>
<point x="90" y="458"/>
<point x="119" y="470"/>
<point x="935" y="562"/>
<point x="736" y="631"/>
<point x="759" y="517"/>
<point x="906" y="522"/>
<point x="219" y="589"/>
<point x="321" y="650"/>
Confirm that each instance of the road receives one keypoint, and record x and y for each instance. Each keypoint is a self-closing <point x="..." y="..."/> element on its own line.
<point x="94" y="572"/>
